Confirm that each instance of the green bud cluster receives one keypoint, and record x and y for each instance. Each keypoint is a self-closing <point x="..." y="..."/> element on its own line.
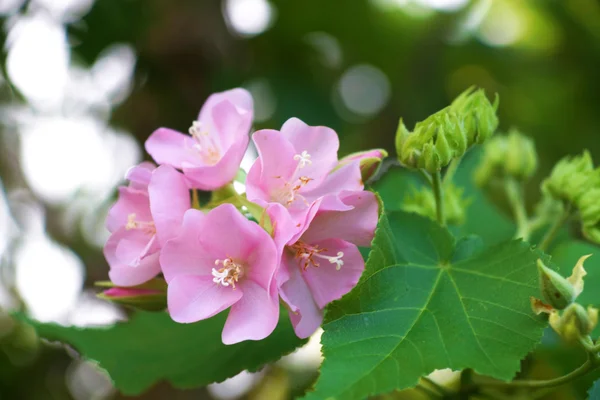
<point x="576" y="183"/>
<point x="511" y="155"/>
<point x="422" y="201"/>
<point x="449" y="133"/>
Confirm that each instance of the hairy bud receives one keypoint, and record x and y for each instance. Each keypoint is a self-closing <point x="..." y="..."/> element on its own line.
<point x="479" y="115"/>
<point x="572" y="177"/>
<point x="511" y="155"/>
<point x="150" y="296"/>
<point x="447" y="134"/>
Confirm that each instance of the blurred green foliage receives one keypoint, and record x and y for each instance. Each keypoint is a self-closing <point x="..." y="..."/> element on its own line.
<point x="547" y="80"/>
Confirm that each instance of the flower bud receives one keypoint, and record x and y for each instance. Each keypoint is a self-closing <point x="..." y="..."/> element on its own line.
<point x="422" y="201"/>
<point x="589" y="212"/>
<point x="512" y="156"/>
<point x="575" y="322"/>
<point x="478" y="114"/>
<point x="572" y="177"/>
<point x="370" y="161"/>
<point x="556" y="290"/>
<point x="434" y="142"/>
<point x="150" y="296"/>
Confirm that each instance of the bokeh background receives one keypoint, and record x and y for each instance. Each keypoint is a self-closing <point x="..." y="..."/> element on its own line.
<point x="84" y="82"/>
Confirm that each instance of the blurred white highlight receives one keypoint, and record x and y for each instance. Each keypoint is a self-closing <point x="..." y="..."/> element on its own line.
<point x="248" y="17"/>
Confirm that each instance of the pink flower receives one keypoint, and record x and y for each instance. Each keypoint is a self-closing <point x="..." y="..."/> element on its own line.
<point x="210" y="155"/>
<point x="320" y="260"/>
<point x="148" y="213"/>
<point x="221" y="260"/>
<point x="294" y="167"/>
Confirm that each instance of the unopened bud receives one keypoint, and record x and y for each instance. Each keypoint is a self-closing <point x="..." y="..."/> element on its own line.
<point x="422" y="201"/>
<point x="574" y="322"/>
<point x="150" y="296"/>
<point x="556" y="290"/>
<point x="511" y="155"/>
<point x="589" y="212"/>
<point x="370" y="161"/>
<point x="434" y="142"/>
<point x="478" y="114"/>
<point x="572" y="177"/>
<point x="447" y="134"/>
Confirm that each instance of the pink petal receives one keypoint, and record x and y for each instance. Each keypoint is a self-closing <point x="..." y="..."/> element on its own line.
<point x="167" y="146"/>
<point x="215" y="176"/>
<point x="125" y="275"/>
<point x="356" y="225"/>
<point x="274" y="166"/>
<point x="240" y="98"/>
<point x="134" y="245"/>
<point x="319" y="141"/>
<point x="130" y="201"/>
<point x="306" y="317"/>
<point x="285" y="228"/>
<point x="192" y="298"/>
<point x="169" y="200"/>
<point x="139" y="176"/>
<point x="326" y="283"/>
<point x="120" y="257"/>
<point x="186" y="254"/>
<point x="346" y="178"/>
<point x="230" y="234"/>
<point x="231" y="125"/>
<point x="253" y="317"/>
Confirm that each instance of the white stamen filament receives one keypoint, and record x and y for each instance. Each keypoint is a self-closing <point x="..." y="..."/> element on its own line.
<point x="303" y="159"/>
<point x="229" y="275"/>
<point x="307" y="253"/>
<point x="204" y="144"/>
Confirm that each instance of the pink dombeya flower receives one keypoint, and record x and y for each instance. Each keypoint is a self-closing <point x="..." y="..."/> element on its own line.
<point x="295" y="167"/>
<point x="147" y="213"/>
<point x="211" y="154"/>
<point x="221" y="260"/>
<point x="320" y="261"/>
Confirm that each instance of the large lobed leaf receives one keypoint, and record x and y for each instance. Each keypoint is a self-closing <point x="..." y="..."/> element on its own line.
<point x="425" y="302"/>
<point x="151" y="347"/>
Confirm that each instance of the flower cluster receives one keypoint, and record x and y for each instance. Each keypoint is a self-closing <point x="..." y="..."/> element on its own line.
<point x="213" y="257"/>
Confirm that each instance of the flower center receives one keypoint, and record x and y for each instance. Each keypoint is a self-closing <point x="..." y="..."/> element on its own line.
<point x="146" y="226"/>
<point x="309" y="255"/>
<point x="229" y="275"/>
<point x="289" y="192"/>
<point x="204" y="144"/>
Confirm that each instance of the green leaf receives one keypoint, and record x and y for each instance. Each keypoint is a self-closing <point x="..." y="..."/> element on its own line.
<point x="425" y="302"/>
<point x="151" y="347"/>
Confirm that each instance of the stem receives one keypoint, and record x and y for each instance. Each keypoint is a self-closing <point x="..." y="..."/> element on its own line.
<point x="451" y="170"/>
<point x="436" y="184"/>
<point x="516" y="198"/>
<point x="550" y="383"/>
<point x="426" y="176"/>
<point x="562" y="218"/>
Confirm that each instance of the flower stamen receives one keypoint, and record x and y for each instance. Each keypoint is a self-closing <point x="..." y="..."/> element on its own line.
<point x="306" y="254"/>
<point x="204" y="144"/>
<point x="303" y="159"/>
<point x="229" y="275"/>
<point x="146" y="226"/>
